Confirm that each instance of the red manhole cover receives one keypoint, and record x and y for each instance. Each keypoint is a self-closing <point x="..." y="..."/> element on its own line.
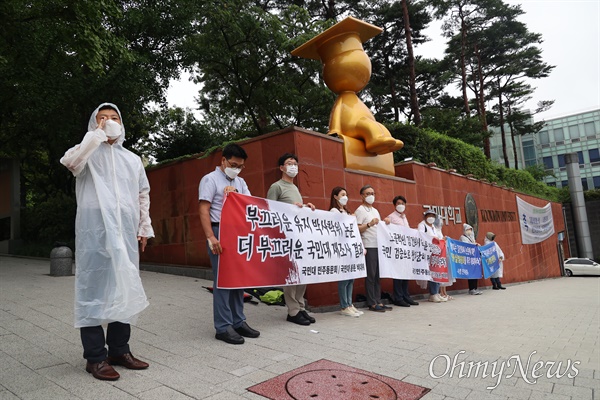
<point x="328" y="380"/>
<point x="335" y="384"/>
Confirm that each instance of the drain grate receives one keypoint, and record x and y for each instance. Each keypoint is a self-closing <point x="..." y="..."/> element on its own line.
<point x="328" y="380"/>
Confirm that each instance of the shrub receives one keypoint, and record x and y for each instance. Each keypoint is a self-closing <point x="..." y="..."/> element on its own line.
<point x="427" y="146"/>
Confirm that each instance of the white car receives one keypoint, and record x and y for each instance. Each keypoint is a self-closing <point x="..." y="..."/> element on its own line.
<point x="581" y="266"/>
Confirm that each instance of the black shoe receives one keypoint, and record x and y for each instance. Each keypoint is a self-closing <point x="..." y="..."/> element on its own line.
<point x="230" y="336"/>
<point x="298" y="319"/>
<point x="501" y="288"/>
<point x="246" y="331"/>
<point x="401" y="303"/>
<point x="308" y="317"/>
<point x="386" y="308"/>
<point x="411" y="301"/>
<point x="495" y="288"/>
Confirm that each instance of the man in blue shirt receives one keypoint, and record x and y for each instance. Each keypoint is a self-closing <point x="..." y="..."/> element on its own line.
<point x="228" y="304"/>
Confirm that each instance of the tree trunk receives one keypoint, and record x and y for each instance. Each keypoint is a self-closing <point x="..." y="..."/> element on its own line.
<point x="463" y="67"/>
<point x="414" y="100"/>
<point x="501" y="108"/>
<point x="481" y="102"/>
<point x="512" y="138"/>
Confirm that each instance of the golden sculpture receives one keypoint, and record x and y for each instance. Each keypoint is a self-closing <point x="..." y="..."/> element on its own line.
<point x="368" y="145"/>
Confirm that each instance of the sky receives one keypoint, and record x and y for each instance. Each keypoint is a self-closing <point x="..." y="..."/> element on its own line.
<point x="570" y="31"/>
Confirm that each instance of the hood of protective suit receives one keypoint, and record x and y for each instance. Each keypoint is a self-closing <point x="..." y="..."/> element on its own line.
<point x="93" y="125"/>
<point x="467" y="227"/>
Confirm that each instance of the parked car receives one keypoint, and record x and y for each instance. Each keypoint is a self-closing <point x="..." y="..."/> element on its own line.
<point x="581" y="266"/>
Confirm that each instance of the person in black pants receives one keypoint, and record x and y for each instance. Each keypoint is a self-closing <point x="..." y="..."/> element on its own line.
<point x="111" y="229"/>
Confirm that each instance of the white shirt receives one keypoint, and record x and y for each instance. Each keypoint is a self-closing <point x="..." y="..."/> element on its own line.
<point x="365" y="215"/>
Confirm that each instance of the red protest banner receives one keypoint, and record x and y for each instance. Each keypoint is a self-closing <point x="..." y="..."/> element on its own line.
<point x="270" y="243"/>
<point x="437" y="262"/>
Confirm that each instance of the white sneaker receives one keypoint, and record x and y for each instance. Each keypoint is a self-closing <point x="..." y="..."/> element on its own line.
<point x="442" y="298"/>
<point x="474" y="292"/>
<point x="477" y="291"/>
<point x="356" y="311"/>
<point x="435" y="298"/>
<point x="349" y="313"/>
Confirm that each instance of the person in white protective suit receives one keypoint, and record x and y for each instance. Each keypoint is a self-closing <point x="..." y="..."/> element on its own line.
<point x="112" y="217"/>
<point x="495" y="278"/>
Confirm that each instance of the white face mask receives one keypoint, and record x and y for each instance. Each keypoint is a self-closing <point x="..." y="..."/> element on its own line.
<point x="400" y="208"/>
<point x="343" y="200"/>
<point x="291" y="170"/>
<point x="370" y="199"/>
<point x="112" y="129"/>
<point x="232" y="173"/>
<point x="470" y="233"/>
<point x="430" y="220"/>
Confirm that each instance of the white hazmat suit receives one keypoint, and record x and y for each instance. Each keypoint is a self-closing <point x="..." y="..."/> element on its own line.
<point x="112" y="211"/>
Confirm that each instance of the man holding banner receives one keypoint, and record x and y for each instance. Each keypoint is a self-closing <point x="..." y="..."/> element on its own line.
<point x="285" y="191"/>
<point x="228" y="304"/>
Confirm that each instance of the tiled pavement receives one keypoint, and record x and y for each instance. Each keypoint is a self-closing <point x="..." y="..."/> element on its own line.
<point x="556" y="320"/>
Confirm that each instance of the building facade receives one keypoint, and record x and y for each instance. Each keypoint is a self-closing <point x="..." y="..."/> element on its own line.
<point x="577" y="133"/>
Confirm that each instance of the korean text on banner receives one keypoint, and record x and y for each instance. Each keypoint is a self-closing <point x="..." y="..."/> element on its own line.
<point x="464" y="259"/>
<point x="270" y="243"/>
<point x="404" y="253"/>
<point x="437" y="263"/>
<point x="489" y="259"/>
<point x="536" y="223"/>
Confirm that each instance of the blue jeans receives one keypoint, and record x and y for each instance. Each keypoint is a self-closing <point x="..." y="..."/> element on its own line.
<point x="228" y="304"/>
<point x="345" y="292"/>
<point x="434" y="287"/>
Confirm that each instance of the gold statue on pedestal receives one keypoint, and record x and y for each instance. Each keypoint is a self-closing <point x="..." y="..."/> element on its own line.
<point x="368" y="145"/>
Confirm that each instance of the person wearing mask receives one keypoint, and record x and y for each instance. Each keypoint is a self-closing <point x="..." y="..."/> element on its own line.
<point x="368" y="217"/>
<point x="285" y="191"/>
<point x="427" y="226"/>
<point x="338" y="203"/>
<point x="228" y="304"/>
<point x="401" y="297"/>
<point x="495" y="278"/>
<point x="469" y="237"/>
<point x="113" y="222"/>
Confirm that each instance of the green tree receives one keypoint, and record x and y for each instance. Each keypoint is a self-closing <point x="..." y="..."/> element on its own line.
<point x="177" y="132"/>
<point x="59" y="59"/>
<point x="250" y="82"/>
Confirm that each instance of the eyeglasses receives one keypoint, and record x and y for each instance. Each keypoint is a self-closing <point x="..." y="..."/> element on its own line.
<point x="234" y="165"/>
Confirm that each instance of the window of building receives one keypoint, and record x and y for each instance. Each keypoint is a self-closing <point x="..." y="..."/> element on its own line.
<point x="596" y="182"/>
<point x="559" y="135"/>
<point x="544" y="137"/>
<point x="584" y="183"/>
<point x="553" y="184"/>
<point x="529" y="153"/>
<point x="594" y="155"/>
<point x="561" y="161"/>
<point x="564" y="184"/>
<point x="574" y="131"/>
<point x="548" y="163"/>
<point x="580" y="155"/>
<point x="590" y="129"/>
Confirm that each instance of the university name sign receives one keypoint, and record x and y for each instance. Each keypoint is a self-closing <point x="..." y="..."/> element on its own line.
<point x="446" y="213"/>
<point x="498" y="216"/>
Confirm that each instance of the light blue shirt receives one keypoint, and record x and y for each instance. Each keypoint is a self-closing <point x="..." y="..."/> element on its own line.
<point x="211" y="189"/>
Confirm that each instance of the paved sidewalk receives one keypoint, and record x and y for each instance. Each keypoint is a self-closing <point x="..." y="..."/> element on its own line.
<point x="558" y="319"/>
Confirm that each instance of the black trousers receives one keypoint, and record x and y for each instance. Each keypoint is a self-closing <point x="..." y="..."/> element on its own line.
<point x="94" y="344"/>
<point x="400" y="289"/>
<point x="472" y="284"/>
